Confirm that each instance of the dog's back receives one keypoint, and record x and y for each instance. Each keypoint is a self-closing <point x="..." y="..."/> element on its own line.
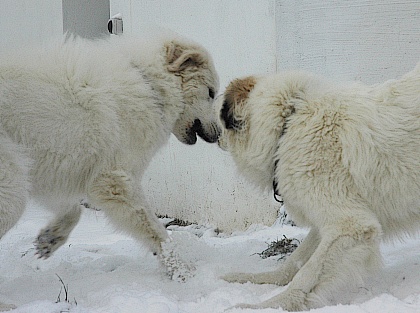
<point x="62" y="105"/>
<point x="381" y="147"/>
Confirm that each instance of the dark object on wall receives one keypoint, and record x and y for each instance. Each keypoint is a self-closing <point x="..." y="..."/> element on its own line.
<point x="115" y="24"/>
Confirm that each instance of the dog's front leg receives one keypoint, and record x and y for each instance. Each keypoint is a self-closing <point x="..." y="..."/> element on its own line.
<point x="121" y="198"/>
<point x="116" y="192"/>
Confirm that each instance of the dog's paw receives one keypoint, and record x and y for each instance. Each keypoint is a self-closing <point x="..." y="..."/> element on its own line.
<point x="177" y="269"/>
<point x="274" y="278"/>
<point x="290" y="300"/>
<point x="241" y="278"/>
<point x="47" y="242"/>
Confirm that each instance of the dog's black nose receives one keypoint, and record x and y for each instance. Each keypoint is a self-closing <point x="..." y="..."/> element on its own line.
<point x="208" y="134"/>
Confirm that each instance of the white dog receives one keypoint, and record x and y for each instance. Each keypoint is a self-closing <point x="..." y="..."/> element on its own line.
<point x="84" y="119"/>
<point x="346" y="160"/>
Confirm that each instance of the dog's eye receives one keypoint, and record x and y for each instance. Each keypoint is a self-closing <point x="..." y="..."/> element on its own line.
<point x="211" y="93"/>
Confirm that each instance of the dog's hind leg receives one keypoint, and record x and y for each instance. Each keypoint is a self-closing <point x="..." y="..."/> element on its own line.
<point x="14" y="185"/>
<point x="120" y="197"/>
<point x="347" y="246"/>
<point x="14" y="189"/>
<point x="57" y="232"/>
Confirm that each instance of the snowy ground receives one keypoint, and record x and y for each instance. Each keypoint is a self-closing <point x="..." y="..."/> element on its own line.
<point x="107" y="272"/>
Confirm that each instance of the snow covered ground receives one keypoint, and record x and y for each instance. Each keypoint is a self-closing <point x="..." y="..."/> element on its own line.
<point x="105" y="272"/>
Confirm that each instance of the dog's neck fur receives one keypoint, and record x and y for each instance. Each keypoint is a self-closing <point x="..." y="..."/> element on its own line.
<point x="152" y="67"/>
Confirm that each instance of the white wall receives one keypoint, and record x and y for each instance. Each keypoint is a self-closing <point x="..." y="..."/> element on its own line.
<point x="26" y="22"/>
<point x="368" y="40"/>
<point x="86" y="18"/>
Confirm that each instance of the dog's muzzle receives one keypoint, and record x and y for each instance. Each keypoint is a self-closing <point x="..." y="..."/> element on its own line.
<point x="211" y="135"/>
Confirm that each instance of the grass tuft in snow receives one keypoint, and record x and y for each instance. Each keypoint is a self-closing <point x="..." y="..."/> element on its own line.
<point x="66" y="293"/>
<point x="175" y="221"/>
<point x="283" y="247"/>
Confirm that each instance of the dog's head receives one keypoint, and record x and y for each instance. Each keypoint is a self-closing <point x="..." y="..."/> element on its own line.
<point x="234" y="101"/>
<point x="199" y="84"/>
<point x="233" y="111"/>
<point x="252" y="114"/>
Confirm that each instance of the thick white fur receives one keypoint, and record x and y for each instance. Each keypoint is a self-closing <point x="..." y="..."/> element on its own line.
<point x="348" y="168"/>
<point x="83" y="119"/>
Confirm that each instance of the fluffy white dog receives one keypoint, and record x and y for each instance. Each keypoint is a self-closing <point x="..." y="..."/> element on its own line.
<point x="83" y="119"/>
<point x="346" y="161"/>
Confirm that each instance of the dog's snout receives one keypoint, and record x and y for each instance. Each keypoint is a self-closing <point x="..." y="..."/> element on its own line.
<point x="209" y="132"/>
<point x="196" y="125"/>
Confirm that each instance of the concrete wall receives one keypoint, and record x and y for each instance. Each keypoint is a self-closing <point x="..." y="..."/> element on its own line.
<point x="27" y="22"/>
<point x="87" y="18"/>
<point x="368" y="40"/>
<point x="30" y="22"/>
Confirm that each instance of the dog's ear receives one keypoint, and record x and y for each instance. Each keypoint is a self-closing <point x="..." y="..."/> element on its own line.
<point x="226" y="115"/>
<point x="235" y="95"/>
<point x="180" y="57"/>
